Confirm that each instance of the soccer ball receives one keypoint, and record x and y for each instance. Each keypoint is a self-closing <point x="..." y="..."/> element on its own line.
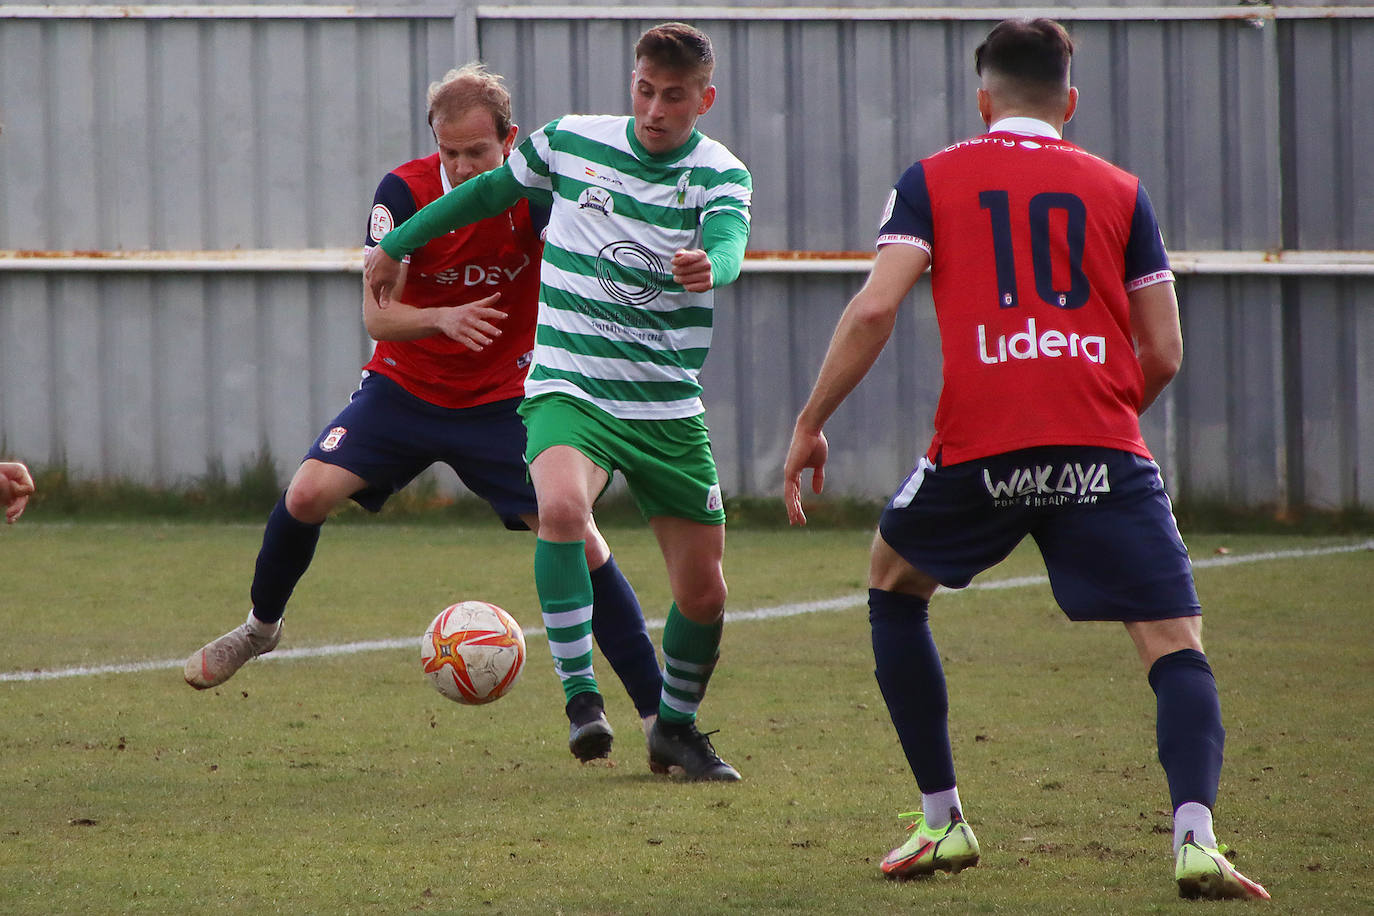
<point x="473" y="652"/>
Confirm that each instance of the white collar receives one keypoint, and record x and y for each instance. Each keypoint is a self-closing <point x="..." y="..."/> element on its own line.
<point x="1033" y="126"/>
<point x="443" y="177"/>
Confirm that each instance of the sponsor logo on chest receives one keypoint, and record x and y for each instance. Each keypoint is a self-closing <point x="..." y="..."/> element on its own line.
<point x="481" y="274"/>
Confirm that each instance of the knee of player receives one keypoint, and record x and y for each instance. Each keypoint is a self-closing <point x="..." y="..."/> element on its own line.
<point x="704" y="601"/>
<point x="562" y="520"/>
<point x="308" y="502"/>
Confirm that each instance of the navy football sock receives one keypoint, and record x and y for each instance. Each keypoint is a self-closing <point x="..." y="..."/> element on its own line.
<point x="288" y="546"/>
<point x="913" y="684"/>
<point x="1188" y="726"/>
<point x="618" y="627"/>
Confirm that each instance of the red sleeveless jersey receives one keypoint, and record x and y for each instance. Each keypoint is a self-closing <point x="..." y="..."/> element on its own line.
<point x="1034" y="244"/>
<point x="499" y="254"/>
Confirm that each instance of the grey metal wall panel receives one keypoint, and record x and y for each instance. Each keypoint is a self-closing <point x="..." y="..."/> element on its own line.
<point x="1335" y="406"/>
<point x="163" y="378"/>
<point x="27" y="392"/>
<point x="1361" y="456"/>
<point x="828" y="114"/>
<point x="273" y="132"/>
<point x="182" y="423"/>
<point x="1228" y="402"/>
<point x="1332" y="68"/>
<point x="771" y="333"/>
<point x="205" y="134"/>
<point x="685" y="11"/>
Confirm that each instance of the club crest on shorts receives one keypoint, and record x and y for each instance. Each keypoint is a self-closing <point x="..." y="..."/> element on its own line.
<point x="713" y="501"/>
<point x="333" y="439"/>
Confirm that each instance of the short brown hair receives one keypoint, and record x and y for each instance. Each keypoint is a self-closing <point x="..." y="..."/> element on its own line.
<point x="1033" y="52"/>
<point x="470" y="86"/>
<point x="678" y="46"/>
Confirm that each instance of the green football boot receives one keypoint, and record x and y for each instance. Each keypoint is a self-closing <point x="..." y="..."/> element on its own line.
<point x="1204" y="872"/>
<point x="952" y="848"/>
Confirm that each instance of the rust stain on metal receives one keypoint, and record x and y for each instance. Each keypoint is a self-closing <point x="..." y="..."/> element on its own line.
<point x="808" y="255"/>
<point x="59" y="255"/>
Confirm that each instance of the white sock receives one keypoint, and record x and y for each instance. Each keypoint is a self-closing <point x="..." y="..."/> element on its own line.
<point x="1196" y="817"/>
<point x="936" y="805"/>
<point x="258" y="627"/>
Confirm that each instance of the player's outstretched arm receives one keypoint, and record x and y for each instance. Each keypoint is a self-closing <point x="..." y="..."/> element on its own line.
<point x="860" y="335"/>
<point x="16" y="486"/>
<point x="475" y="199"/>
<point x="1158" y="337"/>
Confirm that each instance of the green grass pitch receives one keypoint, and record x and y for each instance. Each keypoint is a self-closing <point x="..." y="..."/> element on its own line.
<point x="344" y="784"/>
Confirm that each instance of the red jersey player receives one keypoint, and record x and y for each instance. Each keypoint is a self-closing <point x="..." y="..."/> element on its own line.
<point x="443" y="384"/>
<point x="1058" y="326"/>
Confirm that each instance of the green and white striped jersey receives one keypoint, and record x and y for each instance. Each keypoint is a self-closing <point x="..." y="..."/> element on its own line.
<point x="614" y="329"/>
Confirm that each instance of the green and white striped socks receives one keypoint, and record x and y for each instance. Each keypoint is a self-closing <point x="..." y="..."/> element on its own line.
<point x="565" y="597"/>
<point x="690" y="651"/>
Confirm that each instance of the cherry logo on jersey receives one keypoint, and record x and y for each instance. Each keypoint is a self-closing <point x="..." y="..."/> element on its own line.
<point x="1029" y="344"/>
<point x="380" y="222"/>
<point x="333" y="439"/>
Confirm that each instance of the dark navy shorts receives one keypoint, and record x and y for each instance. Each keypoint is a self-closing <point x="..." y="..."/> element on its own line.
<point x="1100" y="517"/>
<point x="387" y="436"/>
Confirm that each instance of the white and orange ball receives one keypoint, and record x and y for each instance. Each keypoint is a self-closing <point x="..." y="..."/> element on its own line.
<point x="473" y="652"/>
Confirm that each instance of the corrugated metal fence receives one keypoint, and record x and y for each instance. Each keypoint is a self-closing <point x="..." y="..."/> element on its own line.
<point x="235" y="150"/>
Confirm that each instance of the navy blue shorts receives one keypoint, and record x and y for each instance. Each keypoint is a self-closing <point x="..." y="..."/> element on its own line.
<point x="387" y="436"/>
<point x="1100" y="517"/>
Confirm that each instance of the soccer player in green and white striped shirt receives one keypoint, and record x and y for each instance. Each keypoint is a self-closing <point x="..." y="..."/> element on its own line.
<point x="648" y="216"/>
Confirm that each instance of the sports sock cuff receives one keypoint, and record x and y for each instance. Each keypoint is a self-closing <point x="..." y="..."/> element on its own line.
<point x="607" y="570"/>
<point x="1194" y="818"/>
<point x="560" y="572"/>
<point x="259" y="626"/>
<point x="690" y="641"/>
<point x="882" y="603"/>
<point x="936" y="806"/>
<point x="1183" y="658"/>
<point x="283" y="516"/>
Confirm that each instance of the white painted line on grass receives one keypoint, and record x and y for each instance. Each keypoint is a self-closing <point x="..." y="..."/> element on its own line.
<point x="844" y="602"/>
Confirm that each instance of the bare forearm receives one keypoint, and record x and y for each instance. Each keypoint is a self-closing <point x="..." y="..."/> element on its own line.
<point x="1159" y="370"/>
<point x="399" y="321"/>
<point x="1158" y="338"/>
